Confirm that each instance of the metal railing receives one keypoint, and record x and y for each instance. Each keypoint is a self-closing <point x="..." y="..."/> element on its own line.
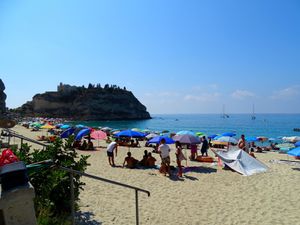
<point x="16" y="135"/>
<point x="72" y="172"/>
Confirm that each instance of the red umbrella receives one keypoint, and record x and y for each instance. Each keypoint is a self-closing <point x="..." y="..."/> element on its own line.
<point x="98" y="135"/>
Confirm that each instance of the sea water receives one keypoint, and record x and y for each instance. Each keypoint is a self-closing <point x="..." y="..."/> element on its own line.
<point x="268" y="125"/>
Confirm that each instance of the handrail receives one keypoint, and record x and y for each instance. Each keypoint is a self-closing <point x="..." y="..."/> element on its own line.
<point x="14" y="134"/>
<point x="71" y="171"/>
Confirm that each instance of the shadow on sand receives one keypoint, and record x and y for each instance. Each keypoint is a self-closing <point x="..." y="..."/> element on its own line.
<point x="86" y="218"/>
<point x="199" y="169"/>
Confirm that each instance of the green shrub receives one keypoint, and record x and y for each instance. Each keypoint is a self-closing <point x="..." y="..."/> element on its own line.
<point x="52" y="186"/>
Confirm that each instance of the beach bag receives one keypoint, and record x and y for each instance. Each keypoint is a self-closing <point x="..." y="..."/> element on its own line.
<point x="8" y="157"/>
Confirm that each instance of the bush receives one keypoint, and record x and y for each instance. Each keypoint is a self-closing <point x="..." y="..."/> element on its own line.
<point x="52" y="186"/>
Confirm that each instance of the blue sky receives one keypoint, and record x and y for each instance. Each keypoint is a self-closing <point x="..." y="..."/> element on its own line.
<point x="175" y="56"/>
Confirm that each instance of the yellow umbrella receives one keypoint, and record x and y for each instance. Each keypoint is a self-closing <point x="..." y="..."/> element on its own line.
<point x="47" y="126"/>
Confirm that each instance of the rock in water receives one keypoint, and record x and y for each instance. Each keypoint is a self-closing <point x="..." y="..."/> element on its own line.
<point x="92" y="103"/>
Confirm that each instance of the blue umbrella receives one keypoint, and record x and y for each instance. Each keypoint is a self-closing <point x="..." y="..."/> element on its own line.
<point x="183" y="132"/>
<point x="294" y="152"/>
<point x="130" y="133"/>
<point x="297" y="144"/>
<point x="67" y="133"/>
<point x="251" y="139"/>
<point x="157" y="140"/>
<point x="82" y="133"/>
<point x="58" y="125"/>
<point x="217" y="137"/>
<point x="228" y="134"/>
<point x="65" y="126"/>
<point x="212" y="136"/>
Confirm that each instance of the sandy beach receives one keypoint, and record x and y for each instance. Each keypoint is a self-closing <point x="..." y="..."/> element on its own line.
<point x="206" y="195"/>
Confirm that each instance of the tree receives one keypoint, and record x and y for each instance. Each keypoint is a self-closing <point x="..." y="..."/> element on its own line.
<point x="52" y="186"/>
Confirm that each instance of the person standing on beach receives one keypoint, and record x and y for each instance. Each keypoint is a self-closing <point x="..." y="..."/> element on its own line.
<point x="110" y="152"/>
<point x="204" y="146"/>
<point x="179" y="157"/>
<point x="164" y="151"/>
<point x="242" y="143"/>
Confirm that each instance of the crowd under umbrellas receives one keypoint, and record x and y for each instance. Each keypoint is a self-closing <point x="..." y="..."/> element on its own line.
<point x="224" y="141"/>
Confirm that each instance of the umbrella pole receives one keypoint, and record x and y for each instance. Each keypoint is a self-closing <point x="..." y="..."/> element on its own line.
<point x="186" y="161"/>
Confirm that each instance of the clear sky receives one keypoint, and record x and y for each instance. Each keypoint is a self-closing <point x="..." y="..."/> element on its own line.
<point x="176" y="56"/>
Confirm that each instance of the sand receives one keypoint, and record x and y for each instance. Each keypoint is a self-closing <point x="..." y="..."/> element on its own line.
<point x="209" y="195"/>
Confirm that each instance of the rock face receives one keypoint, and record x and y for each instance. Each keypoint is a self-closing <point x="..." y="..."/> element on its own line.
<point x="2" y="98"/>
<point x="80" y="103"/>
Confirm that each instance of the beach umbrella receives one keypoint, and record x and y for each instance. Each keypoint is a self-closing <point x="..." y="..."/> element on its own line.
<point x="183" y="132"/>
<point x="58" y="125"/>
<point x="65" y="126"/>
<point x="146" y="131"/>
<point x="212" y="136"/>
<point x="165" y="131"/>
<point x="67" y="133"/>
<point x="47" y="126"/>
<point x="157" y="140"/>
<point x="136" y="129"/>
<point x="228" y="134"/>
<point x="186" y="139"/>
<point x="250" y="139"/>
<point x="130" y="133"/>
<point x="115" y="132"/>
<point x="82" y="133"/>
<point x="152" y="135"/>
<point x="272" y="139"/>
<point x="106" y="129"/>
<point x="262" y="138"/>
<point x="297" y="144"/>
<point x="294" y="152"/>
<point x="200" y="134"/>
<point x="37" y="125"/>
<point x="98" y="135"/>
<point x="227" y="139"/>
<point x="80" y="126"/>
<point x="217" y="137"/>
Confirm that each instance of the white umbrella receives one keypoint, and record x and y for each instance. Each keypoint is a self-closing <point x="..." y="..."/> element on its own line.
<point x="227" y="139"/>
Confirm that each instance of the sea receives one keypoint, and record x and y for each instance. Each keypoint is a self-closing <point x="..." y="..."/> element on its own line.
<point x="267" y="125"/>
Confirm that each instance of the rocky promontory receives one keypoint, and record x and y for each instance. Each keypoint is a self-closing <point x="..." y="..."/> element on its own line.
<point x="92" y="103"/>
<point x="2" y="98"/>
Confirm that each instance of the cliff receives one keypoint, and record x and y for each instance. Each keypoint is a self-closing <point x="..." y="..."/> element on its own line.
<point x="2" y="98"/>
<point x="80" y="103"/>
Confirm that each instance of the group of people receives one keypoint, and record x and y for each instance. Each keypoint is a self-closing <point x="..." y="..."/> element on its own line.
<point x="84" y="145"/>
<point x="163" y="150"/>
<point x="130" y="162"/>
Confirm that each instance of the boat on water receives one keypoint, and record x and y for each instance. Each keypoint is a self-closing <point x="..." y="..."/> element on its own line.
<point x="224" y="115"/>
<point x="253" y="117"/>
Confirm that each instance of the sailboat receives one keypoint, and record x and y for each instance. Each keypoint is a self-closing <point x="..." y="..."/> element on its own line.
<point x="253" y="117"/>
<point x="224" y="115"/>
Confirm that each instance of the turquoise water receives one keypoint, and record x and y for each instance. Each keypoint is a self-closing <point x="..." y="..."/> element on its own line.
<point x="269" y="125"/>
